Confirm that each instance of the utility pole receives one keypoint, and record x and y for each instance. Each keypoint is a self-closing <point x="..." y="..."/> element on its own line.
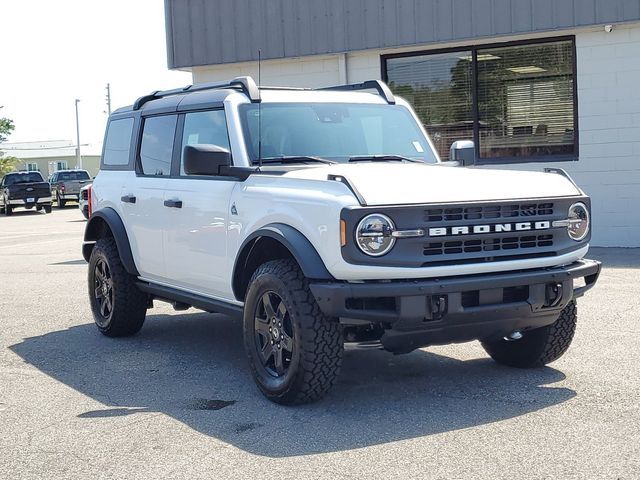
<point x="108" y="98"/>
<point x="78" y="156"/>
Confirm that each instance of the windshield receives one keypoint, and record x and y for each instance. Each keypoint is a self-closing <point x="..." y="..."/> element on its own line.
<point x="333" y="131"/>
<point x="68" y="176"/>
<point x="31" y="177"/>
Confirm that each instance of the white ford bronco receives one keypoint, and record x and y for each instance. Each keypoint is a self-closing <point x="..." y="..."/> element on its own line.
<point x="321" y="217"/>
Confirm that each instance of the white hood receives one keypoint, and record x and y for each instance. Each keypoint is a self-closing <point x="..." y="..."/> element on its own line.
<point x="396" y="183"/>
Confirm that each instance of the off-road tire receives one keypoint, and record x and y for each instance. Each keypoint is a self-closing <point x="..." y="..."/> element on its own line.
<point x="537" y="347"/>
<point x="47" y="209"/>
<point x="317" y="340"/>
<point x="129" y="304"/>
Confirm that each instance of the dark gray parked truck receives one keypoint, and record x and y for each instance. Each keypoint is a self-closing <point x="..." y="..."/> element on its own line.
<point x="66" y="185"/>
<point x="26" y="190"/>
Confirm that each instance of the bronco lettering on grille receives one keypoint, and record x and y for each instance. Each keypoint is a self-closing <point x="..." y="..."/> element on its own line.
<point x="495" y="228"/>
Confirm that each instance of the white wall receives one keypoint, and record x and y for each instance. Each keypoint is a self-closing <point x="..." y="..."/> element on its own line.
<point x="608" y="66"/>
<point x="315" y="71"/>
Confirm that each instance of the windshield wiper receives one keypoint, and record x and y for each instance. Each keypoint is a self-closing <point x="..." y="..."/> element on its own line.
<point x="383" y="158"/>
<point x="294" y="159"/>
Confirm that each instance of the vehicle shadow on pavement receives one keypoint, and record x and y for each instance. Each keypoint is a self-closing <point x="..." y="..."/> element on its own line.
<point x="192" y="367"/>
<point x="22" y="213"/>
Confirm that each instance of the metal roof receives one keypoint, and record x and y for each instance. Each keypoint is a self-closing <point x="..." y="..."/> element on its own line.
<point x="205" y="32"/>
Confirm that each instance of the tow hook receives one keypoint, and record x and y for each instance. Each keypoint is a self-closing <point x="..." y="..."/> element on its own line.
<point x="438" y="306"/>
<point x="513" y="336"/>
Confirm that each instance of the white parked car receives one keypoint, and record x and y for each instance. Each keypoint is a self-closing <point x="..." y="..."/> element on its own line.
<point x="325" y="216"/>
<point x="83" y="200"/>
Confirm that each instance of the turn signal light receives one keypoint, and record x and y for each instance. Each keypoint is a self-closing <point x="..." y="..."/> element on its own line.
<point x="343" y="233"/>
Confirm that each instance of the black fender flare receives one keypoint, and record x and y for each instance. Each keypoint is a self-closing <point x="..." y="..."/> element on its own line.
<point x="94" y="229"/>
<point x="294" y="241"/>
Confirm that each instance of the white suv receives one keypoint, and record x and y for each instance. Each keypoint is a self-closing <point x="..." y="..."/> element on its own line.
<point x="325" y="216"/>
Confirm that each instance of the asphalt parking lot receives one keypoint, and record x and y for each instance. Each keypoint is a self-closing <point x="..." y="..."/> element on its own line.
<point x="177" y="400"/>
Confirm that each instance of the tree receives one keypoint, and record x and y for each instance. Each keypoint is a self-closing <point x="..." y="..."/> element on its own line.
<point x="7" y="164"/>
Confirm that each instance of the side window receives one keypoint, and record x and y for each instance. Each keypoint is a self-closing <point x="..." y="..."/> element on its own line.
<point x="117" y="143"/>
<point x="204" y="128"/>
<point x="157" y="144"/>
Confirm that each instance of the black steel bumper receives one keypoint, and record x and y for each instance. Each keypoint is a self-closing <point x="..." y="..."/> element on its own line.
<point x="418" y="313"/>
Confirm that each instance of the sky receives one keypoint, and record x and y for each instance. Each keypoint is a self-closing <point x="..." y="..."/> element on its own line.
<point x="54" y="51"/>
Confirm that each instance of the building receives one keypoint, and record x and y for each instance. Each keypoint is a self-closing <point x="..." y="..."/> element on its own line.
<point x="535" y="83"/>
<point x="51" y="155"/>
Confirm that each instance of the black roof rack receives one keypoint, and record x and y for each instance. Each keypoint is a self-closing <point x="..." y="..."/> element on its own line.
<point x="381" y="87"/>
<point x="246" y="84"/>
<point x="249" y="87"/>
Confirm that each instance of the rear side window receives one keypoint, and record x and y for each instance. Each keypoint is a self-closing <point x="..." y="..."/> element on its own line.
<point x="156" y="148"/>
<point x="116" y="148"/>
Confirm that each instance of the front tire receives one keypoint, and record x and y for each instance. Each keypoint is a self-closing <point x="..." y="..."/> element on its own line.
<point x="47" y="209"/>
<point x="8" y="210"/>
<point x="537" y="347"/>
<point x="294" y="350"/>
<point x="119" y="307"/>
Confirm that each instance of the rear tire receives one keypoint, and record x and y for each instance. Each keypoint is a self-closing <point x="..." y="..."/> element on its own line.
<point x="61" y="202"/>
<point x="294" y="350"/>
<point x="119" y="307"/>
<point x="537" y="347"/>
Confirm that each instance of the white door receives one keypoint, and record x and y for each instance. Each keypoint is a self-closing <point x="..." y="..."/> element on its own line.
<point x="196" y="217"/>
<point x="142" y="198"/>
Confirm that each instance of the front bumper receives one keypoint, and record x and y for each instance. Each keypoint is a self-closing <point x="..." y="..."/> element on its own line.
<point x="417" y="313"/>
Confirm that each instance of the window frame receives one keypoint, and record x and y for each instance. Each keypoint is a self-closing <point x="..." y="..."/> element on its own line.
<point x="177" y="146"/>
<point x="138" y="148"/>
<point x="474" y="92"/>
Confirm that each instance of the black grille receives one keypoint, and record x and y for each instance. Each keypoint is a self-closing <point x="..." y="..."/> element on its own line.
<point x="487" y="244"/>
<point x="515" y="210"/>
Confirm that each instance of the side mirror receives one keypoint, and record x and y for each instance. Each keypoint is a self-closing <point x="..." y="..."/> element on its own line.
<point x="204" y="159"/>
<point x="463" y="152"/>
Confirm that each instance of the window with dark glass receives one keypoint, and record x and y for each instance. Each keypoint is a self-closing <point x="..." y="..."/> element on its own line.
<point x="516" y="101"/>
<point x="156" y="148"/>
<point x="204" y="128"/>
<point x="118" y="141"/>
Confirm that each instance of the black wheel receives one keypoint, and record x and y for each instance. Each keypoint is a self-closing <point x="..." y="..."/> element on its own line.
<point x="8" y="210"/>
<point x="60" y="201"/>
<point x="118" y="306"/>
<point x="294" y="350"/>
<point x="85" y="213"/>
<point x="537" y="347"/>
<point x="47" y="209"/>
<point x="38" y="208"/>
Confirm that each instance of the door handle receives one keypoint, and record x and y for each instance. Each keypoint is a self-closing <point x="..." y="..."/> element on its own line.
<point x="173" y="203"/>
<point x="128" y="199"/>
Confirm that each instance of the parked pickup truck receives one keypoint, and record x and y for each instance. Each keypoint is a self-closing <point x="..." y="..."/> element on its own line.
<point x="66" y="185"/>
<point x="24" y="189"/>
<point x="320" y="217"/>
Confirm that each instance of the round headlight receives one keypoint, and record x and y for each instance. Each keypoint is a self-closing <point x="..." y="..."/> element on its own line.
<point x="373" y="234"/>
<point x="578" y="227"/>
